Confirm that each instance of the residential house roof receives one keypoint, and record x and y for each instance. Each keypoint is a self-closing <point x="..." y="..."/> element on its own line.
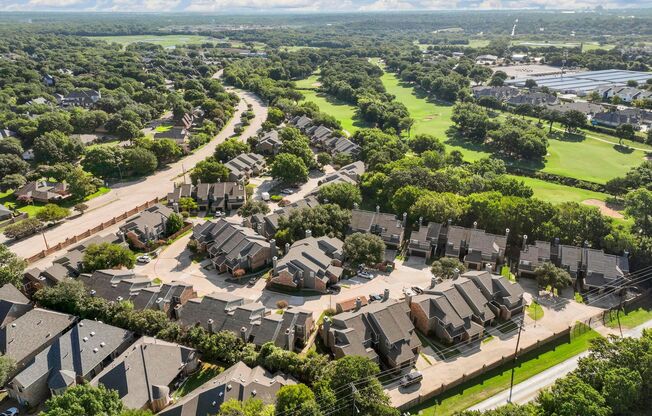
<point x="534" y="255"/>
<point x="229" y="243"/>
<point x="387" y="226"/>
<point x="177" y="133"/>
<point x="426" y="236"/>
<point x="114" y="285"/>
<point x="312" y="258"/>
<point x="532" y="98"/>
<point x="239" y="382"/>
<point x="268" y="223"/>
<point x="143" y="368"/>
<point x="13" y="304"/>
<point x="301" y="122"/>
<point x="386" y="322"/>
<point x="75" y="353"/>
<point x="43" y="191"/>
<point x="498" y="92"/>
<point x="148" y="224"/>
<point x="181" y="191"/>
<point x="245" y="165"/>
<point x="603" y="269"/>
<point x="31" y="331"/>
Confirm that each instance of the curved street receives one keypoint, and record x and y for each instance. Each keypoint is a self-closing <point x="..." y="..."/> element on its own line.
<point x="127" y="195"/>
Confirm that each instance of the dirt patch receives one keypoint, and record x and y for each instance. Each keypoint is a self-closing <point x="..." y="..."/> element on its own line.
<point x="604" y="209"/>
<point x="316" y="84"/>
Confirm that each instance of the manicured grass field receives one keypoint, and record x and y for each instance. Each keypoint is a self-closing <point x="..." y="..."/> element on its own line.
<point x="495" y="381"/>
<point x="163" y="40"/>
<point x="344" y="112"/>
<point x="631" y="319"/>
<point x="429" y="117"/>
<point x="163" y="128"/>
<point x="556" y="193"/>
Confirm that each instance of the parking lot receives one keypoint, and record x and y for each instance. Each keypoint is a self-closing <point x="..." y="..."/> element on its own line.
<point x="175" y="264"/>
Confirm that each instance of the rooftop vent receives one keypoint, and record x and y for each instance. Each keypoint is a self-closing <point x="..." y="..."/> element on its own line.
<point x="95" y="350"/>
<point x="85" y="339"/>
<point x="92" y="333"/>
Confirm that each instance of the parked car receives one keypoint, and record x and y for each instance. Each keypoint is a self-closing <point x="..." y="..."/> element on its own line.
<point x="375" y="298"/>
<point x="265" y="196"/>
<point x="334" y="289"/>
<point x="412" y="378"/>
<point x="218" y="214"/>
<point x="252" y="281"/>
<point x="12" y="411"/>
<point x="144" y="259"/>
<point x="365" y="274"/>
<point x="287" y="191"/>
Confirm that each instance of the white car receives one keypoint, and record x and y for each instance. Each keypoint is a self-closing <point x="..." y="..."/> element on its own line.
<point x="12" y="411"/>
<point x="365" y="274"/>
<point x="144" y="259"/>
<point x="287" y="191"/>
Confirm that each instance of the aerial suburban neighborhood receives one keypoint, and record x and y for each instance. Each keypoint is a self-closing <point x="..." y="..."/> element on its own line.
<point x="227" y="208"/>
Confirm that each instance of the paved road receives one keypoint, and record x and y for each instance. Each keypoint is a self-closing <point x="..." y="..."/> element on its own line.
<point x="125" y="196"/>
<point x="529" y="389"/>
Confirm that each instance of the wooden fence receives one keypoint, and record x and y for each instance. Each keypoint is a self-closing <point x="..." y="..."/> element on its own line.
<point x="91" y="231"/>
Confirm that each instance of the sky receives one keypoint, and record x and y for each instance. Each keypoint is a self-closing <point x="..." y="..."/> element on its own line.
<point x="225" y="6"/>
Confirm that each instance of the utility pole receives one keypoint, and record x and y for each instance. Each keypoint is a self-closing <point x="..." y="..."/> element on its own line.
<point x="353" y="392"/>
<point x="518" y="341"/>
<point x="47" y="247"/>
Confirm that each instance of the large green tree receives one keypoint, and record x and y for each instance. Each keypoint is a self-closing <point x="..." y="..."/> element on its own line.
<point x="364" y="248"/>
<point x="209" y="171"/>
<point x="289" y="169"/>
<point x="57" y="147"/>
<point x="293" y="400"/>
<point x="638" y="205"/>
<point x="549" y="275"/>
<point x="343" y="194"/>
<point x="52" y="213"/>
<point x="12" y="267"/>
<point x="107" y="256"/>
<point x="84" y="399"/>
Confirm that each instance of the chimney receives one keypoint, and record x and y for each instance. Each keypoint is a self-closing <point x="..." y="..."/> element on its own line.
<point x="420" y="221"/>
<point x="377" y="208"/>
<point x="308" y="233"/>
<point x="326" y="326"/>
<point x="524" y="242"/>
<point x="586" y="243"/>
<point x="450" y="222"/>
<point x="243" y="333"/>
<point x="274" y="264"/>
<point x="176" y="207"/>
<point x="404" y="223"/>
<point x="259" y="229"/>
<point x="272" y="247"/>
<point x="289" y="339"/>
<point x="475" y="225"/>
<point x="287" y="248"/>
<point x="456" y="273"/>
<point x="386" y="294"/>
<point x="358" y="303"/>
<point x="507" y="232"/>
<point x="488" y="267"/>
<point x="209" y="324"/>
<point x="123" y="237"/>
<point x="147" y="233"/>
<point x="433" y="282"/>
<point x="355" y="205"/>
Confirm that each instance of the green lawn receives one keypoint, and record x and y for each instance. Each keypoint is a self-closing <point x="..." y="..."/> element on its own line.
<point x="631" y="319"/>
<point x="495" y="381"/>
<point x="101" y="191"/>
<point x="163" y="40"/>
<point x="205" y="373"/>
<point x="344" y="112"/>
<point x="556" y="193"/>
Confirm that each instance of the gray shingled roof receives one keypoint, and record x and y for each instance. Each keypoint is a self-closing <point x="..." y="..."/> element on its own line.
<point x="143" y="366"/>
<point x="30" y="332"/>
<point x="239" y="382"/>
<point x="77" y="352"/>
<point x="13" y="304"/>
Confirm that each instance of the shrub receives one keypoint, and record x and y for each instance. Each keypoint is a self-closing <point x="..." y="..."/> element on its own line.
<point x="282" y="304"/>
<point x="276" y="198"/>
<point x="239" y="272"/>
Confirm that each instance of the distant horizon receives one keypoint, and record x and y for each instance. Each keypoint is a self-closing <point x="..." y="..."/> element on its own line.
<point x="257" y="7"/>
